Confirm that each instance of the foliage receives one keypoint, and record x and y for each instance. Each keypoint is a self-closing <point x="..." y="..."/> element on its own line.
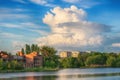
<point x="51" y="62"/>
<point x="47" y="51"/>
<point x="81" y="60"/>
<point x="111" y="61"/>
<point x="30" y="48"/>
<point x="12" y="65"/>
<point x="50" y="59"/>
<point x="95" y="60"/>
<point x="69" y="62"/>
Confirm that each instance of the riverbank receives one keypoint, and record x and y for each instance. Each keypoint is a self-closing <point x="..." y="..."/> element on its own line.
<point x="66" y="74"/>
<point x="30" y="70"/>
<point x="40" y="69"/>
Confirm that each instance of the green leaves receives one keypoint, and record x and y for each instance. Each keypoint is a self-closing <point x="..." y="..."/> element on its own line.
<point x="30" y="48"/>
<point x="12" y="65"/>
<point x="95" y="60"/>
<point x="48" y="51"/>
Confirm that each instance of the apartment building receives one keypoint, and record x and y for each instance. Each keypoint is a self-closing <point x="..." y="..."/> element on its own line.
<point x="29" y="60"/>
<point x="64" y="54"/>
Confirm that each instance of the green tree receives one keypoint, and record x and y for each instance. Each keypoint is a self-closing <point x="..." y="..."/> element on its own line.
<point x="48" y="51"/>
<point x="80" y="61"/>
<point x="69" y="62"/>
<point x="50" y="59"/>
<point x="111" y="61"/>
<point x="51" y="62"/>
<point x="31" y="48"/>
<point x="28" y="50"/>
<point x="95" y="60"/>
<point x="118" y="62"/>
<point x="1" y="64"/>
<point x="23" y="50"/>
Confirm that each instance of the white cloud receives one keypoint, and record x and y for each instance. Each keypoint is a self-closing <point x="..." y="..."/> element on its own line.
<point x="43" y="3"/>
<point x="11" y="10"/>
<point x="18" y="44"/>
<point x="20" y="25"/>
<point x="116" y="45"/>
<point x="72" y="1"/>
<point x="59" y="15"/>
<point x="69" y="28"/>
<point x="83" y="3"/>
<point x="13" y="14"/>
<point x="41" y="32"/>
<point x="13" y="17"/>
<point x="20" y="1"/>
<point x="9" y="35"/>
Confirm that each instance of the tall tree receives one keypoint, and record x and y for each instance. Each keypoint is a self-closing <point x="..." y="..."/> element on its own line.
<point x="28" y="50"/>
<point x="47" y="51"/>
<point x="23" y="50"/>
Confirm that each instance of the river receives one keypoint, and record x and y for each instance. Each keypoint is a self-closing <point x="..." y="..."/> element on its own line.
<point x="66" y="74"/>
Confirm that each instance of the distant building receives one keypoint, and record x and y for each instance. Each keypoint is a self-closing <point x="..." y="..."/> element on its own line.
<point x="64" y="54"/>
<point x="75" y="53"/>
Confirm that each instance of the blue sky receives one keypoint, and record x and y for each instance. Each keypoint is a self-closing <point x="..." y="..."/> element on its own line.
<point x="64" y="24"/>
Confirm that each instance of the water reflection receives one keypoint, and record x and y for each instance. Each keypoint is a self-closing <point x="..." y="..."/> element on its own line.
<point x="112" y="76"/>
<point x="32" y="78"/>
<point x="66" y="74"/>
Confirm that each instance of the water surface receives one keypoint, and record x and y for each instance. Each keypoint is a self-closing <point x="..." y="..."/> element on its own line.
<point x="66" y="74"/>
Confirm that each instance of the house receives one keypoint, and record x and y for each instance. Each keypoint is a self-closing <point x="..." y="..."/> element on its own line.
<point x="29" y="60"/>
<point x="32" y="60"/>
<point x="3" y="54"/>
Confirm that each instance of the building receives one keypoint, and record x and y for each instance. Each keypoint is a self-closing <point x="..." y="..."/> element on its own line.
<point x="29" y="60"/>
<point x="64" y="54"/>
<point x="75" y="53"/>
<point x="33" y="60"/>
<point x="3" y="54"/>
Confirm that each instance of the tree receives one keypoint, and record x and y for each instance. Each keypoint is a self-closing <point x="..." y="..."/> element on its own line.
<point x="23" y="50"/>
<point x="1" y="64"/>
<point x="51" y="62"/>
<point x="50" y="59"/>
<point x="111" y="61"/>
<point x="80" y="61"/>
<point x="47" y="51"/>
<point x="31" y="48"/>
<point x="95" y="60"/>
<point x="28" y="49"/>
<point x="118" y="62"/>
<point x="69" y="62"/>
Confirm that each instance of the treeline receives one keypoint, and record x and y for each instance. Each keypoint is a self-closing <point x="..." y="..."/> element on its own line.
<point x="94" y="59"/>
<point x="30" y="48"/>
<point x="51" y="60"/>
<point x="11" y="65"/>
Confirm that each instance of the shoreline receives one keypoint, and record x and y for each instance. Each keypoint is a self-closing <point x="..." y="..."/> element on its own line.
<point x="30" y="70"/>
<point x="46" y="69"/>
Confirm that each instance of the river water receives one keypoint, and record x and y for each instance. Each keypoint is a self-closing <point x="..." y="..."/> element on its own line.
<point x="66" y="74"/>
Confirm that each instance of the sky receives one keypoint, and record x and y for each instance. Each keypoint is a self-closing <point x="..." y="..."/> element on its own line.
<point x="82" y="25"/>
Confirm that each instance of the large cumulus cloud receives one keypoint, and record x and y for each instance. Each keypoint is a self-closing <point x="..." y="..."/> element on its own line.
<point x="69" y="28"/>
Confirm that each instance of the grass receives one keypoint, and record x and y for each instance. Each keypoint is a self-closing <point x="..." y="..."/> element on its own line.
<point x="37" y="69"/>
